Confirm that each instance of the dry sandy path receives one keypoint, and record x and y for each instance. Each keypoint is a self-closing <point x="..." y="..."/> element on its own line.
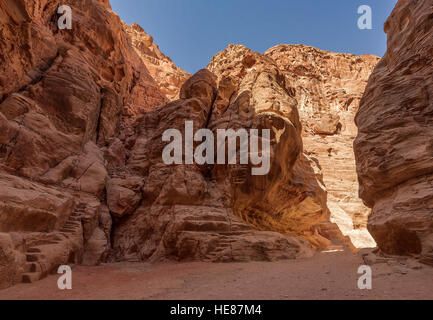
<point x="325" y="276"/>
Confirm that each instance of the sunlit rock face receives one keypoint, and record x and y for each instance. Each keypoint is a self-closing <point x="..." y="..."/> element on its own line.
<point x="328" y="87"/>
<point x="221" y="212"/>
<point x="394" y="145"/>
<point x="82" y="180"/>
<point x="68" y="103"/>
<point x="168" y="76"/>
<point x="291" y="198"/>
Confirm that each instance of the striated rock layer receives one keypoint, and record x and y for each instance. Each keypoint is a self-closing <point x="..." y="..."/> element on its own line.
<point x="222" y="212"/>
<point x="327" y="87"/>
<point x="394" y="150"/>
<point x="167" y="75"/>
<point x="68" y="103"/>
<point x="81" y="124"/>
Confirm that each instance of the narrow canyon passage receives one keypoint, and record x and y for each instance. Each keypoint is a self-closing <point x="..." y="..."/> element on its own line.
<point x="336" y="159"/>
<point x="329" y="87"/>
<point x="84" y="181"/>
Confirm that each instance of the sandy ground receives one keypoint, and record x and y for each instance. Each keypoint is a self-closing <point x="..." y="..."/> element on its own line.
<point x="325" y="276"/>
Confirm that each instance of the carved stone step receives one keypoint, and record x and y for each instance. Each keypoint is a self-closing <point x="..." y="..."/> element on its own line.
<point x="33" y="257"/>
<point x="66" y="228"/>
<point x="72" y="223"/>
<point x="205" y="226"/>
<point x="47" y="242"/>
<point x="32" y="267"/>
<point x="31" y="277"/>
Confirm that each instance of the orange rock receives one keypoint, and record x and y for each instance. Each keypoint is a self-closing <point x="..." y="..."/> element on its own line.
<point x="327" y="87"/>
<point x="81" y="129"/>
<point x="190" y="212"/>
<point x="168" y="76"/>
<point x="65" y="97"/>
<point x="394" y="144"/>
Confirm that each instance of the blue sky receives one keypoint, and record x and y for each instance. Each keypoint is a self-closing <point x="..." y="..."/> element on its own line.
<point x="191" y="32"/>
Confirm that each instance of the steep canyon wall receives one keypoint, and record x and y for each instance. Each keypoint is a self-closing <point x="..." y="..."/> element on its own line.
<point x="82" y="114"/>
<point x="394" y="145"/>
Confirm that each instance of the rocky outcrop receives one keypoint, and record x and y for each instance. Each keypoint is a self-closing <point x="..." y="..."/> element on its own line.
<point x="69" y="88"/>
<point x="68" y="99"/>
<point x="394" y="145"/>
<point x="210" y="212"/>
<point x="168" y="76"/>
<point x="79" y="174"/>
<point x="221" y="212"/>
<point x="262" y="88"/>
<point x="82" y="179"/>
<point x="327" y="87"/>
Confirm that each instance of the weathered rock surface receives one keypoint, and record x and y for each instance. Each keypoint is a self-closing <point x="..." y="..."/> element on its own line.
<point x="394" y="145"/>
<point x="32" y="207"/>
<point x="327" y="87"/>
<point x="124" y="195"/>
<point x="81" y="125"/>
<point x="193" y="212"/>
<point x="290" y="197"/>
<point x="168" y="76"/>
<point x="12" y="261"/>
<point x="68" y="103"/>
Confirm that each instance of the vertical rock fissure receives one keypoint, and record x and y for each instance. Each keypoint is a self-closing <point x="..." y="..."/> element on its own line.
<point x="98" y="121"/>
<point x="209" y="116"/>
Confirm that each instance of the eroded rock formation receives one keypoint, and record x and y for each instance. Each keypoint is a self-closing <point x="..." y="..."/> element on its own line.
<point x="168" y="76"/>
<point x="327" y="87"/>
<point x="68" y="102"/>
<point x="222" y="212"/>
<point x="394" y="145"/>
<point x="81" y="174"/>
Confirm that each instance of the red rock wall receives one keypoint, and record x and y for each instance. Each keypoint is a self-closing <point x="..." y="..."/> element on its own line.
<point x="82" y="113"/>
<point x="328" y="87"/>
<point x="168" y="76"/>
<point x="66" y="96"/>
<point x="394" y="150"/>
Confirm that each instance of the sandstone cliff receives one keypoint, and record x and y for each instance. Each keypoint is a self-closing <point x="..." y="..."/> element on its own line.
<point x="81" y="182"/>
<point x="222" y="213"/>
<point x="167" y="75"/>
<point x="68" y="99"/>
<point x="82" y="114"/>
<point x="327" y="87"/>
<point x="394" y="145"/>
